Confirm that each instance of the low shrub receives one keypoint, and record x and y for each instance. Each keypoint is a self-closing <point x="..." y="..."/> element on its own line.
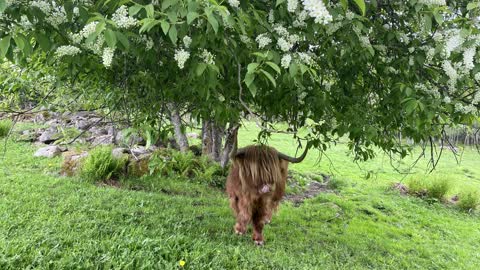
<point x="5" y="126"/>
<point x="438" y="187"/>
<point x="171" y="163"/>
<point x="101" y="165"/>
<point x="337" y="183"/>
<point x="469" y="200"/>
<point x="417" y="187"/>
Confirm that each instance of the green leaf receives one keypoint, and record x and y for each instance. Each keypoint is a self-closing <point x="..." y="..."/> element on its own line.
<point x="344" y="4"/>
<point x="148" y="24"/>
<point x="100" y="27"/>
<point x="3" y="5"/>
<point x="200" y="69"/>
<point x="167" y="3"/>
<point x="279" y="2"/>
<point x="361" y="6"/>
<point x="438" y="17"/>
<point x="150" y="11"/>
<point x="110" y="38"/>
<point x="19" y="42"/>
<point x="191" y="16"/>
<point x="249" y="79"/>
<point x="4" y="45"/>
<point x="293" y="69"/>
<point x="472" y="5"/>
<point x="123" y="40"/>
<point x="274" y="66"/>
<point x="252" y="67"/>
<point x="165" y="26"/>
<point x="172" y="16"/>
<point x="173" y="34"/>
<point x="133" y="10"/>
<point x="43" y="41"/>
<point x="269" y="77"/>
<point x="213" y="22"/>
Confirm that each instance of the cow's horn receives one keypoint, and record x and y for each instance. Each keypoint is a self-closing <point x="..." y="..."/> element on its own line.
<point x="293" y="159"/>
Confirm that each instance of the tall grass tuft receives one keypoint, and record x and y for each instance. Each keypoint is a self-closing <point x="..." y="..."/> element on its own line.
<point x="469" y="200"/>
<point x="101" y="165"/>
<point x="438" y="187"/>
<point x="5" y="126"/>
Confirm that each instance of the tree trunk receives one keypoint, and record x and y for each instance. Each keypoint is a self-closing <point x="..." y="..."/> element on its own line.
<point x="230" y="144"/>
<point x="206" y="138"/>
<point x="180" y="137"/>
<point x="217" y="138"/>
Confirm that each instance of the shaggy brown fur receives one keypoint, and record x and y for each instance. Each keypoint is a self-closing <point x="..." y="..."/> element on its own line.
<point x="255" y="185"/>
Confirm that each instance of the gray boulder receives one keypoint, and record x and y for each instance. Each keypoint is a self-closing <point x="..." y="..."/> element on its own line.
<point x="48" y="152"/>
<point x="49" y="136"/>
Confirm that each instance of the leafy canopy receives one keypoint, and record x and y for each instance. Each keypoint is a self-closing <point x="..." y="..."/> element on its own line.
<point x="370" y="70"/>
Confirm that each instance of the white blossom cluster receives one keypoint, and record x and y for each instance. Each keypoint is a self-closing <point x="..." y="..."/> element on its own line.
<point x="285" y="62"/>
<point x="453" y="42"/>
<point x="433" y="2"/>
<point x="55" y="14"/>
<point x="317" y="10"/>
<point x="300" y="19"/>
<point x="234" y="3"/>
<point x="459" y="107"/>
<point x="305" y="58"/>
<point x="263" y="40"/>
<point x="187" y="41"/>
<point x="67" y="51"/>
<point x="107" y="56"/>
<point x="271" y="16"/>
<point x="181" y="56"/>
<point x="292" y="5"/>
<point x="286" y="41"/>
<point x="122" y="19"/>
<point x="468" y="56"/>
<point x="207" y="57"/>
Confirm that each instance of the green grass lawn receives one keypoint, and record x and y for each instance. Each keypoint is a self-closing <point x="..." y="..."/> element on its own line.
<point x="53" y="222"/>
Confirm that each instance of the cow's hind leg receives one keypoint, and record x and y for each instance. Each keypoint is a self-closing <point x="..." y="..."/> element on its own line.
<point x="260" y="213"/>
<point x="244" y="215"/>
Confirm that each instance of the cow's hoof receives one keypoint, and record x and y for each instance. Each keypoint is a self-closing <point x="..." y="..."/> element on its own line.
<point x="259" y="242"/>
<point x="239" y="232"/>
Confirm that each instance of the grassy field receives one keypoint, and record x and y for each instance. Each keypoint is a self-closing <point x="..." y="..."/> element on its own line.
<point x="53" y="222"/>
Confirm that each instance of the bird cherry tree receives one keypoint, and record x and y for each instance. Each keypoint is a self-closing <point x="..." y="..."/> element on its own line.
<point x="368" y="70"/>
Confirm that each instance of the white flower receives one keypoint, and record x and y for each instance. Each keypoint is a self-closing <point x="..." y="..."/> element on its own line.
<point x="208" y="57"/>
<point x="477" y="77"/>
<point x="300" y="20"/>
<point x="433" y="2"/>
<point x="122" y="19"/>
<point x="292" y="5"/>
<point x="263" y="40"/>
<point x="468" y="56"/>
<point x="271" y="16"/>
<point x="234" y="3"/>
<point x="107" y="56"/>
<point x="316" y="9"/>
<point x="88" y="29"/>
<point x="447" y="100"/>
<point x="187" y="41"/>
<point x="350" y="15"/>
<point x="430" y="54"/>
<point x="449" y="70"/>
<point x="181" y="56"/>
<point x="305" y="58"/>
<point x="67" y="50"/>
<point x="453" y="43"/>
<point x="284" y="45"/>
<point x="285" y="62"/>
<point x="245" y="39"/>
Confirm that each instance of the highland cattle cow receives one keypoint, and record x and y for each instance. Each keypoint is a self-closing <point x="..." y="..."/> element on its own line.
<point x="255" y="186"/>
